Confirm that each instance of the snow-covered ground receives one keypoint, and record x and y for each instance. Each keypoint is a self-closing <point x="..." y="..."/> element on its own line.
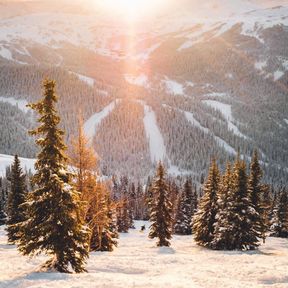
<point x="7" y="160"/>
<point x="137" y="262"/>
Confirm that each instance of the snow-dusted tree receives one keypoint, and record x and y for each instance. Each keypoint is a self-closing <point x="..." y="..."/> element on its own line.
<point x="243" y="212"/>
<point x="110" y="233"/>
<point x="54" y="225"/>
<point x="123" y="216"/>
<point x="223" y="237"/>
<point x="16" y="197"/>
<point x="255" y="192"/>
<point x="280" y="220"/>
<point x="3" y="199"/>
<point x="267" y="207"/>
<point x="148" y="197"/>
<point x="174" y="193"/>
<point x="3" y="216"/>
<point x="185" y="210"/>
<point x="205" y="218"/>
<point x="161" y="209"/>
<point x="124" y="211"/>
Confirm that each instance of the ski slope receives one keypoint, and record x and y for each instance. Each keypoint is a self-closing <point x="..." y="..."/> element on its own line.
<point x="90" y="126"/>
<point x="226" y="111"/>
<point x="20" y="103"/>
<point x="153" y="133"/>
<point x="137" y="262"/>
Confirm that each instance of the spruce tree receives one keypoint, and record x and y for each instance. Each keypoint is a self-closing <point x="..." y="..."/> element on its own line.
<point x="256" y="194"/>
<point x="280" y="221"/>
<point x="148" y="198"/>
<point x="16" y="198"/>
<point x="3" y="216"/>
<point x="123" y="217"/>
<point x="54" y="225"/>
<point x="242" y="210"/>
<point x="124" y="212"/>
<point x="110" y="233"/>
<point x="267" y="205"/>
<point x="223" y="235"/>
<point x="185" y="211"/>
<point x="161" y="209"/>
<point x="205" y="218"/>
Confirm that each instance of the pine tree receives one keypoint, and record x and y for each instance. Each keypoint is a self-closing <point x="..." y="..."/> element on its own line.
<point x="205" y="218"/>
<point x="110" y="233"/>
<point x="3" y="216"/>
<point x="242" y="210"/>
<point x="124" y="213"/>
<point x="148" y="199"/>
<point x="223" y="237"/>
<point x="54" y="225"/>
<point x="256" y="194"/>
<point x="267" y="205"/>
<point x="175" y="200"/>
<point x="161" y="210"/>
<point x="16" y="198"/>
<point x="280" y="222"/>
<point x="185" y="211"/>
<point x="123" y="217"/>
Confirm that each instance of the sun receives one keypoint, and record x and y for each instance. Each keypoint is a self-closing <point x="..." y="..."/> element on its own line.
<point x="132" y="10"/>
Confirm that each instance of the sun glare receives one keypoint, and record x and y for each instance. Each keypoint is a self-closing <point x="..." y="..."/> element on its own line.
<point x="133" y="9"/>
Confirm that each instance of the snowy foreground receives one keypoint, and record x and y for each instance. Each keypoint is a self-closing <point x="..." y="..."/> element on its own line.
<point x="138" y="263"/>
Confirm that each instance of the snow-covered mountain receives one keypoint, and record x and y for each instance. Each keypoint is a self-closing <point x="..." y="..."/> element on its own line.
<point x="196" y="79"/>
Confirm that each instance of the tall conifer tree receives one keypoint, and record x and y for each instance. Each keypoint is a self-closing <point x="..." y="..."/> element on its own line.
<point x="243" y="232"/>
<point x="54" y="226"/>
<point x="16" y="198"/>
<point x="223" y="235"/>
<point x="205" y="218"/>
<point x="280" y="220"/>
<point x="256" y="194"/>
<point x="185" y="210"/>
<point x="161" y="209"/>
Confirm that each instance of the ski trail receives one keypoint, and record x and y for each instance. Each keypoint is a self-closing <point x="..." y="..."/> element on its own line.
<point x="90" y="126"/>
